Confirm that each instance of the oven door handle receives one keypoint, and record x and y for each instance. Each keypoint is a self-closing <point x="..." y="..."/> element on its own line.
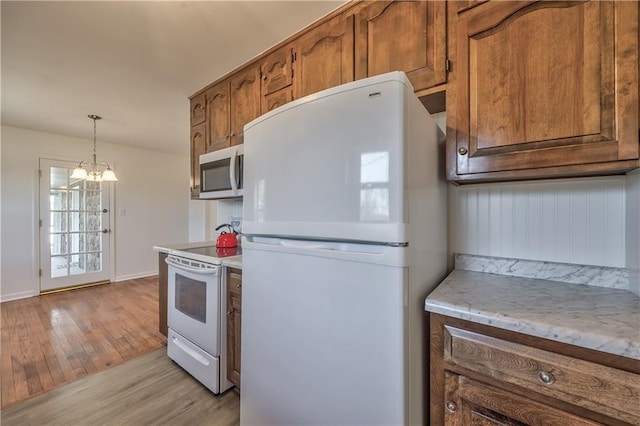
<point x="208" y="271"/>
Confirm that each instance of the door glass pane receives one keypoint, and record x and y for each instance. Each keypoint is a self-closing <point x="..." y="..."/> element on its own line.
<point x="58" y="266"/>
<point x="76" y="221"/>
<point x="76" y="200"/>
<point x="58" y="200"/>
<point x="191" y="298"/>
<point x="93" y="221"/>
<point x="58" y="244"/>
<point x="59" y="177"/>
<point x="94" y="262"/>
<point x="93" y="201"/>
<point x="93" y="241"/>
<point x="77" y="264"/>
<point x="76" y="242"/>
<point x="58" y="222"/>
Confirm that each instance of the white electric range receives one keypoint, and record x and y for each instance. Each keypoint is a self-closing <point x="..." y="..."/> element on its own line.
<point x="196" y="307"/>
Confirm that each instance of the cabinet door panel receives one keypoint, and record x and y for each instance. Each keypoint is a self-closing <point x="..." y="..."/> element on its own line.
<point x="198" y="147"/>
<point x="234" y="325"/>
<point x="277" y="71"/>
<point x="245" y="101"/>
<point x="198" y="109"/>
<point x="218" y="113"/>
<point x="543" y="85"/>
<point x="324" y="57"/>
<point x="403" y="35"/>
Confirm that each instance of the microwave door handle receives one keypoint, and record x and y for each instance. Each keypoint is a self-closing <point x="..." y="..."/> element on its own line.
<point x="232" y="171"/>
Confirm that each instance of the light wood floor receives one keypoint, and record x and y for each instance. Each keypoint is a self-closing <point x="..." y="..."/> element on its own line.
<point x="58" y="338"/>
<point x="149" y="390"/>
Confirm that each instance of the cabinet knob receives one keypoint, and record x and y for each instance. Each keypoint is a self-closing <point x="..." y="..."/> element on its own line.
<point x="264" y="76"/>
<point x="462" y="151"/>
<point x="452" y="407"/>
<point x="229" y="313"/>
<point x="546" y="377"/>
<point x="237" y="285"/>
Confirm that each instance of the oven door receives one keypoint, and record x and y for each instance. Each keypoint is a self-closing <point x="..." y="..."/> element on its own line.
<point x="193" y="309"/>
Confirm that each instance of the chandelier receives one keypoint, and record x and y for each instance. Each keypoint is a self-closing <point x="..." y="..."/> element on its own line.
<point x="94" y="174"/>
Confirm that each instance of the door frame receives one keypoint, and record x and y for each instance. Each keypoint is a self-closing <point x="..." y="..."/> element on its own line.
<point x="37" y="251"/>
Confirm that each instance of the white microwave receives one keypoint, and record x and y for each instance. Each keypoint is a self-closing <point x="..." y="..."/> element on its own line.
<point x="221" y="173"/>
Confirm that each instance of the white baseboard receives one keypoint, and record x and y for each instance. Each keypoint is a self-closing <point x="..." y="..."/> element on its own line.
<point x="134" y="276"/>
<point x="18" y="295"/>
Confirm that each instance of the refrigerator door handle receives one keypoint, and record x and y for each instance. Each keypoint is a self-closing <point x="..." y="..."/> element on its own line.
<point x="368" y="253"/>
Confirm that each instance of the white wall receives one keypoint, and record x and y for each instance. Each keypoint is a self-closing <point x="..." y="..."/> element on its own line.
<point x="152" y="188"/>
<point x="202" y="220"/>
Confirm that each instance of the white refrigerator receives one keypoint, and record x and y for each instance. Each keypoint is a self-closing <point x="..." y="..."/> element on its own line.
<point x="345" y="226"/>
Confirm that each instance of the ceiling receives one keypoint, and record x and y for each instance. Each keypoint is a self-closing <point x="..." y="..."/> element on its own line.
<point x="135" y="63"/>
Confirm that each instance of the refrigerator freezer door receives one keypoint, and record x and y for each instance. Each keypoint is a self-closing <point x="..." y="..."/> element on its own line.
<point x="331" y="164"/>
<point x="323" y="340"/>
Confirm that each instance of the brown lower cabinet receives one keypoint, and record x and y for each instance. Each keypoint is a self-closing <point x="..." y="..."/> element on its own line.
<point x="234" y="324"/>
<point x="163" y="287"/>
<point x="481" y="375"/>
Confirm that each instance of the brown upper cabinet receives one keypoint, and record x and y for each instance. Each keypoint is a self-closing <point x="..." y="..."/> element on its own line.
<point x="198" y="109"/>
<point x="218" y="125"/>
<point x="319" y="59"/>
<point x="408" y="36"/>
<point x="244" y="101"/>
<point x="230" y="105"/>
<point x="324" y="56"/>
<point x="276" y="71"/>
<point x="197" y="147"/>
<point x="543" y="89"/>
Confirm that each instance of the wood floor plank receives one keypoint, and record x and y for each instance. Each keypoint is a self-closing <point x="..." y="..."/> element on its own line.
<point x="149" y="390"/>
<point x="53" y="339"/>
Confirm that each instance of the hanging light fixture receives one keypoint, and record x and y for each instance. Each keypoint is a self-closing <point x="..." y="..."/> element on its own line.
<point x="94" y="174"/>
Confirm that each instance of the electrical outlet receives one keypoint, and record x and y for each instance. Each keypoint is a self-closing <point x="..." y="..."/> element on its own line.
<point x="236" y="222"/>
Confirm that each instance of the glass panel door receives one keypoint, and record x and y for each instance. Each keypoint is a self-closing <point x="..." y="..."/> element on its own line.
<point x="74" y="228"/>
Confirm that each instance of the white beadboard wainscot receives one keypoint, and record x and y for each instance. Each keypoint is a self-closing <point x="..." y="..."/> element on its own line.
<point x="568" y="220"/>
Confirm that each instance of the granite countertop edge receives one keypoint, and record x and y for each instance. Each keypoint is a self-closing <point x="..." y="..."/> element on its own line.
<point x="518" y="304"/>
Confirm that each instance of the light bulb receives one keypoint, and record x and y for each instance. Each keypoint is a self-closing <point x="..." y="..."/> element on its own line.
<point x="79" y="173"/>
<point x="109" y="176"/>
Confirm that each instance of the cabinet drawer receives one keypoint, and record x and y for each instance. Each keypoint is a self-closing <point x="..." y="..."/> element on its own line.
<point x="592" y="386"/>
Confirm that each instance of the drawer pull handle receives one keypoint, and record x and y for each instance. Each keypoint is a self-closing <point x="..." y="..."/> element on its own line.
<point x="546" y="377"/>
<point x="452" y="407"/>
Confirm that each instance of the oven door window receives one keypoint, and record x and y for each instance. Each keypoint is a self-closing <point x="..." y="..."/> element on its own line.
<point x="191" y="297"/>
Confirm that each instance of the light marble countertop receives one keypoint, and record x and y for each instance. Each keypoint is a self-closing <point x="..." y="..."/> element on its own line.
<point x="600" y="318"/>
